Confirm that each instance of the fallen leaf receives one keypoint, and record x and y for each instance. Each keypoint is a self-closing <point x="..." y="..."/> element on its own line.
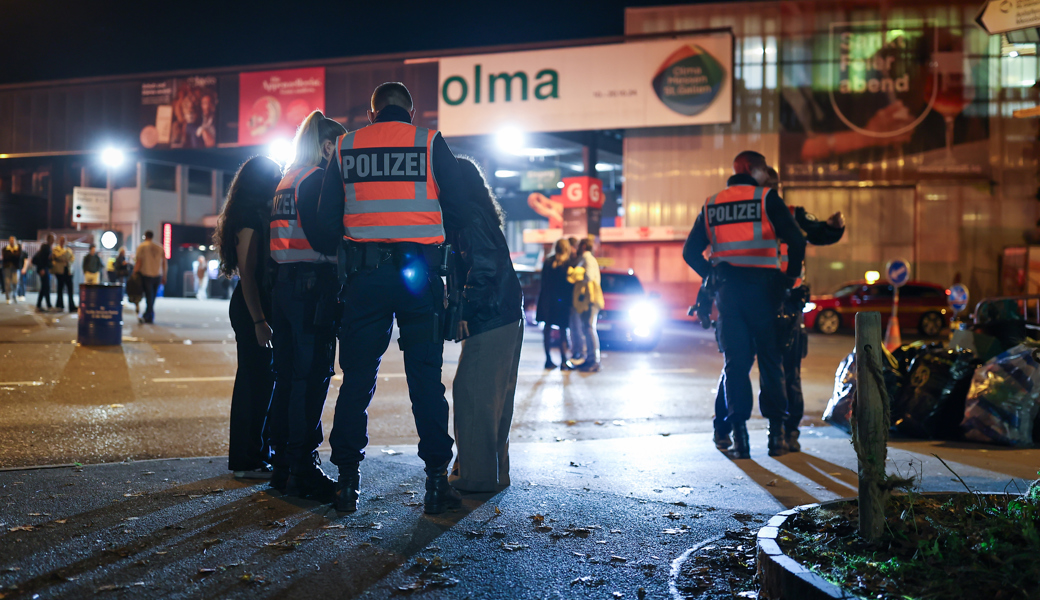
<point x="334" y="526"/>
<point x="115" y="406"/>
<point x="118" y="586"/>
<point x="250" y="578"/>
<point x="618" y="595"/>
<point x="571" y="422"/>
<point x="673" y="516"/>
<point x="588" y="580"/>
<point x="543" y="529"/>
<point x="22" y="528"/>
<point x="773" y="482"/>
<point x="213" y="542"/>
<point x="513" y="547"/>
<point x="537" y="518"/>
<point x="498" y="511"/>
<point x="619" y="559"/>
<point x="615" y="531"/>
<point x="390" y="451"/>
<point x="207" y="571"/>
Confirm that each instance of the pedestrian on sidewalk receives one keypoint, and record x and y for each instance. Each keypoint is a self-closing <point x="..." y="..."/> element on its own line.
<point x="42" y="261"/>
<point x="150" y="262"/>
<point x="23" y="276"/>
<point x="492" y="333"/>
<point x="574" y="334"/>
<point x="241" y="236"/>
<point x="13" y="260"/>
<point x="201" y="278"/>
<point x="62" y="261"/>
<point x="555" y="299"/>
<point x="588" y="301"/>
<point x="92" y="267"/>
<point x="120" y="267"/>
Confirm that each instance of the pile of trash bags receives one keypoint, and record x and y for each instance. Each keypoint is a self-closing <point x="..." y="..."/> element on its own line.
<point x="946" y="394"/>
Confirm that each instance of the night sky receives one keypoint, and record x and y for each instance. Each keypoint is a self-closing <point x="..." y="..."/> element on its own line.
<point x="43" y="39"/>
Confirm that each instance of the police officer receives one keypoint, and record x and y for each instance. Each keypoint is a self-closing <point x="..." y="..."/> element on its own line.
<point x="742" y="225"/>
<point x="387" y="193"/>
<point x="303" y="301"/>
<point x="796" y="339"/>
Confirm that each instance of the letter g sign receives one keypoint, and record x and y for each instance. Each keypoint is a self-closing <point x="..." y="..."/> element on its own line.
<point x="574" y="192"/>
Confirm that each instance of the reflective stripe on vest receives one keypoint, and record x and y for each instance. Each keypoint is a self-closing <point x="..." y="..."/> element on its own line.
<point x="783" y="258"/>
<point x="288" y="242"/>
<point x="739" y="229"/>
<point x="390" y="193"/>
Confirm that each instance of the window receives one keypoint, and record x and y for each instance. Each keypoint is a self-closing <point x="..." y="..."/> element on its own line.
<point x="846" y="291"/>
<point x="160" y="177"/>
<point x="200" y="182"/>
<point x="920" y="291"/>
<point x="879" y="291"/>
<point x="621" y="284"/>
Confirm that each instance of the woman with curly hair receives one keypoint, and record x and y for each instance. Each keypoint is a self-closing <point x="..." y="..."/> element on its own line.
<point x="240" y="237"/>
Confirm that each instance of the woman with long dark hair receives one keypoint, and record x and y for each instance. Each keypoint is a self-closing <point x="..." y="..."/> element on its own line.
<point x="554" y="300"/>
<point x="241" y="239"/>
<point x="492" y="330"/>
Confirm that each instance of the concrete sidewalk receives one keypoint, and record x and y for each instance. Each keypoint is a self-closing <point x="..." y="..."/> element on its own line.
<point x="582" y="519"/>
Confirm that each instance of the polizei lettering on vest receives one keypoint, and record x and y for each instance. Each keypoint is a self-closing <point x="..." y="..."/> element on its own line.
<point x="732" y="213"/>
<point x="284" y="206"/>
<point x="384" y="164"/>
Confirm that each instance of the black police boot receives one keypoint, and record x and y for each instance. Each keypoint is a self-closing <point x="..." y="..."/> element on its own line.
<point x="348" y="488"/>
<point x="309" y="481"/>
<point x="440" y="496"/>
<point x="722" y="440"/>
<point x="776" y="444"/>
<point x="791" y="439"/>
<point x="279" y="477"/>
<point x="741" y="443"/>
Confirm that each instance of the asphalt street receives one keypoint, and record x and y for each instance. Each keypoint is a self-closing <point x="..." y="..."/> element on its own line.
<point x="616" y="484"/>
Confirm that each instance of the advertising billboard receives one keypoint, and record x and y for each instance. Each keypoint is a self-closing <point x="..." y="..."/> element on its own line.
<point x="685" y="81"/>
<point x="272" y="104"/>
<point x="884" y="102"/>
<point x="179" y="112"/>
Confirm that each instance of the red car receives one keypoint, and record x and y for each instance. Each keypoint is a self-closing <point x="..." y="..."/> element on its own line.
<point x="631" y="317"/>
<point x="922" y="306"/>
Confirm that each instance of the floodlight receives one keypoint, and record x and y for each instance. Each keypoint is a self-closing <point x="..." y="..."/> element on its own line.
<point x="109" y="239"/>
<point x="282" y="151"/>
<point x="112" y="157"/>
<point x="510" y="139"/>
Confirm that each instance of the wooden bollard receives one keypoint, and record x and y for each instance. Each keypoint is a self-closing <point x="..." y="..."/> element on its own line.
<point x="871" y="431"/>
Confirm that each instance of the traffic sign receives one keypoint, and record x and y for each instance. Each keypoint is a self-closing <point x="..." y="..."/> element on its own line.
<point x="958" y="297"/>
<point x="1002" y="16"/>
<point x="898" y="272"/>
<point x="90" y="205"/>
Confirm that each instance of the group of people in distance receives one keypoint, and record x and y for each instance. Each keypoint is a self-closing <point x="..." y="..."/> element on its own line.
<point x="299" y="290"/>
<point x="569" y="302"/>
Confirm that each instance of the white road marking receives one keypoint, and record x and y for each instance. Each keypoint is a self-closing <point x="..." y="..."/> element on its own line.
<point x="339" y="376"/>
<point x="192" y="379"/>
<point x="20" y="383"/>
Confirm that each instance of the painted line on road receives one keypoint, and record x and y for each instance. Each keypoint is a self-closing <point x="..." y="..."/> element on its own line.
<point x="192" y="379"/>
<point x="339" y="377"/>
<point x="20" y="383"/>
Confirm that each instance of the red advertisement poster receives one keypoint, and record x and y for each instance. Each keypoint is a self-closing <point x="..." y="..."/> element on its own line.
<point x="272" y="104"/>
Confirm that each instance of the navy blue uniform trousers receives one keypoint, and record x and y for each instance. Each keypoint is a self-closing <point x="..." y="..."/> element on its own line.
<point x="302" y="305"/>
<point x="371" y="301"/>
<point x="748" y="309"/>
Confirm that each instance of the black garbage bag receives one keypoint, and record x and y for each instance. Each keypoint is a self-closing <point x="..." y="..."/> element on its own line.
<point x="839" y="407"/>
<point x="944" y="422"/>
<point x="1004" y="400"/>
<point x="920" y="397"/>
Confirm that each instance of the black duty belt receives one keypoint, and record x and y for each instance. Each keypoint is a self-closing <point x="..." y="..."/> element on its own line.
<point x="288" y="271"/>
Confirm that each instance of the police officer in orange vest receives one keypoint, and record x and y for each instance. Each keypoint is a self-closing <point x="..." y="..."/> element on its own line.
<point x="303" y="302"/>
<point x="742" y="225"/>
<point x="394" y="186"/>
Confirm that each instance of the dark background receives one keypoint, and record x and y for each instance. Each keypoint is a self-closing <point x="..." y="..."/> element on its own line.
<point x="45" y="39"/>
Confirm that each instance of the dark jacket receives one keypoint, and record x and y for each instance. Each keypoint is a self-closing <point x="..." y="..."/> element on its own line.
<point x="13" y="257"/>
<point x="492" y="296"/>
<point x="42" y="259"/>
<point x="91" y="263"/>
<point x="783" y="223"/>
<point x="556" y="295"/>
<point x="326" y="231"/>
<point x="817" y="233"/>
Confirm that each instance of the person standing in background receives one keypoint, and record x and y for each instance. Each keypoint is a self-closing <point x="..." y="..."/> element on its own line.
<point x="13" y="259"/>
<point x="92" y="267"/>
<point x="201" y="278"/>
<point x="42" y="261"/>
<point x="555" y="299"/>
<point x="573" y="329"/>
<point x="588" y="301"/>
<point x="150" y="262"/>
<point x="61" y="265"/>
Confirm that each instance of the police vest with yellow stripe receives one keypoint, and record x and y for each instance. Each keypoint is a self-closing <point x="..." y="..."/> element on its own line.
<point x="288" y="242"/>
<point x="739" y="229"/>
<point x="390" y="194"/>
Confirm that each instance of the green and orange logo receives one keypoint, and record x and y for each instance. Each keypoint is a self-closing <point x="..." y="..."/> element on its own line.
<point x="689" y="80"/>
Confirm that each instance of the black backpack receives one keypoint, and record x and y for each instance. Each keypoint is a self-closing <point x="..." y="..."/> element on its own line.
<point x="42" y="258"/>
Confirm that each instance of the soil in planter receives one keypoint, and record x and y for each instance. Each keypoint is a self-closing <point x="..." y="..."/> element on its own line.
<point x="722" y="570"/>
<point x="961" y="547"/>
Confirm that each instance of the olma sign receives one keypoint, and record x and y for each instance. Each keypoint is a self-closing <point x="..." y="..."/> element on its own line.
<point x="687" y="81"/>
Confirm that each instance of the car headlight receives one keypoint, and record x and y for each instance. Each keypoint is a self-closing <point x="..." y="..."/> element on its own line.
<point x="644" y="315"/>
<point x="809" y="307"/>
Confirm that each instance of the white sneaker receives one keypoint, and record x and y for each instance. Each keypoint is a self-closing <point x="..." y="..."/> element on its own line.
<point x="8" y="300"/>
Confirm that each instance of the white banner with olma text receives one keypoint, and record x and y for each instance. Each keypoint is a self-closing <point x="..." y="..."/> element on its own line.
<point x="686" y="81"/>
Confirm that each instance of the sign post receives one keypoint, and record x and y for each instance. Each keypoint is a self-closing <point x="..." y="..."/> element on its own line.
<point x="1002" y="16"/>
<point x="958" y="298"/>
<point x="91" y="205"/>
<point x="898" y="273"/>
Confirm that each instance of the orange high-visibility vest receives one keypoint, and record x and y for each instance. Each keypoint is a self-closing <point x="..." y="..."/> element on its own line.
<point x="739" y="229"/>
<point x="288" y="242"/>
<point x="390" y="194"/>
<point x="783" y="258"/>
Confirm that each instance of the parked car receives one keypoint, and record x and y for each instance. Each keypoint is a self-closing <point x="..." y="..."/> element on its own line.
<point x="631" y="317"/>
<point x="922" y="306"/>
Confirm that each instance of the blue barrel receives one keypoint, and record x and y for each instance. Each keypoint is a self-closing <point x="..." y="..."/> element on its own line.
<point x="100" y="314"/>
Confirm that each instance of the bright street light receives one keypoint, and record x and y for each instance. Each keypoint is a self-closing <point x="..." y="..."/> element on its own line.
<point x="506" y="173"/>
<point x="282" y="151"/>
<point x="108" y="240"/>
<point x="112" y="157"/>
<point x="510" y="139"/>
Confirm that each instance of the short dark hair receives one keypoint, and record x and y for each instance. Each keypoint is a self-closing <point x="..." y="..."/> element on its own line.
<point x="148" y="234"/>
<point x="391" y="93"/>
<point x="748" y="161"/>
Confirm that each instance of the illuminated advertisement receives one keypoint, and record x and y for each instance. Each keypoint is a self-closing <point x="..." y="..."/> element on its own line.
<point x="179" y="112"/>
<point x="272" y="104"/>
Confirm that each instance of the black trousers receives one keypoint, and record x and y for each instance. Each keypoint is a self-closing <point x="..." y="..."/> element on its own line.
<point x="45" y="288"/>
<point x="748" y="309"/>
<point x="64" y="283"/>
<point x="303" y="302"/>
<point x="151" y="290"/>
<point x="793" y="377"/>
<point x="403" y="290"/>
<point x="249" y="444"/>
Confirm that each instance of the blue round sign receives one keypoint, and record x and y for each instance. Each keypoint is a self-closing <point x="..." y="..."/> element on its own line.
<point x="958" y="297"/>
<point x="898" y="272"/>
